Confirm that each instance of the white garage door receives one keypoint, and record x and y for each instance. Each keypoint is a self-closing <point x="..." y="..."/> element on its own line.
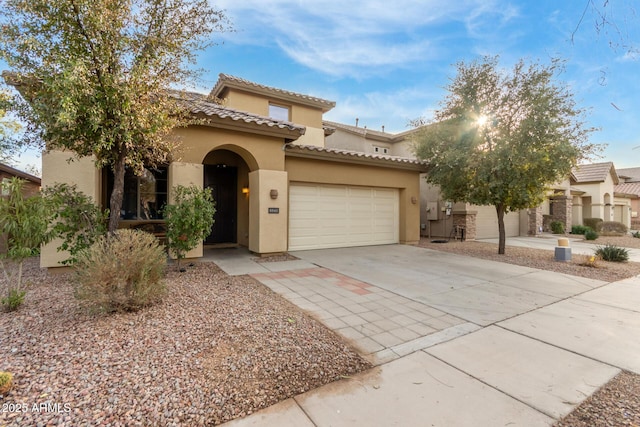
<point x="333" y="216"/>
<point x="487" y="223"/>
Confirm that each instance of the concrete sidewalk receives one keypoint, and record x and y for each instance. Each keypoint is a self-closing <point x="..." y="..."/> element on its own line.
<point x="515" y="346"/>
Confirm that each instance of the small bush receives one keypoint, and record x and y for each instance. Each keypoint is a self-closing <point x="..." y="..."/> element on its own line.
<point x="636" y="234"/>
<point x="557" y="227"/>
<point x="6" y="382"/>
<point x="121" y="272"/>
<point x="579" y="229"/>
<point x="613" y="253"/>
<point x="612" y="228"/>
<point x="590" y="235"/>
<point x="593" y="223"/>
<point x="14" y="299"/>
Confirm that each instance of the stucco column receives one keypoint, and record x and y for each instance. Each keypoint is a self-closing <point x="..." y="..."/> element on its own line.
<point x="80" y="172"/>
<point x="186" y="174"/>
<point x="268" y="211"/>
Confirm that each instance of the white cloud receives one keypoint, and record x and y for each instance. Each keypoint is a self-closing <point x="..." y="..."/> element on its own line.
<point x="358" y="37"/>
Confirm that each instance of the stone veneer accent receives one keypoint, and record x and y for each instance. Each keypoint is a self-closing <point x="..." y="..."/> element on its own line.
<point x="562" y="210"/>
<point x="468" y="221"/>
<point x="535" y="218"/>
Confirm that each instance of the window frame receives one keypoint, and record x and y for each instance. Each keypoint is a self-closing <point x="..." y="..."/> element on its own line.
<point x="161" y="201"/>
<point x="281" y="108"/>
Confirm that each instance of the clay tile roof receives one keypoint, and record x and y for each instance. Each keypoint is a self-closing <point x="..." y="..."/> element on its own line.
<point x="198" y="103"/>
<point x="225" y="80"/>
<point x="628" y="188"/>
<point x="370" y="133"/>
<point x="356" y="155"/>
<point x="631" y="174"/>
<point x="596" y="172"/>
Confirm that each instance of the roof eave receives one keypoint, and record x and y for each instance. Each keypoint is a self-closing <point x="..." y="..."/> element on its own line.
<point x="294" y="151"/>
<point x="228" y="123"/>
<point x="219" y="91"/>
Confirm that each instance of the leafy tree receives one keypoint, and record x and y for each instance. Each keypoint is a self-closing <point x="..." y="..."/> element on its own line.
<point x="26" y="224"/>
<point x="8" y="130"/>
<point x="501" y="138"/>
<point x="95" y="76"/>
<point x="78" y="220"/>
<point x="189" y="219"/>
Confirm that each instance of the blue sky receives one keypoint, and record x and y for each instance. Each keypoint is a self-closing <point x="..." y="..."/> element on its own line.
<point x="387" y="62"/>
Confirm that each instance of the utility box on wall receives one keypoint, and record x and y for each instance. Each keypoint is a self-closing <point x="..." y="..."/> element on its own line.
<point x="432" y="211"/>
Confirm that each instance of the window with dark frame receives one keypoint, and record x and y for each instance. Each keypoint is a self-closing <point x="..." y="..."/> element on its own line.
<point x="144" y="196"/>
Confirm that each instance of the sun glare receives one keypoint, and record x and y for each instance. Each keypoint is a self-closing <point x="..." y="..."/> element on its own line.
<point x="482" y="120"/>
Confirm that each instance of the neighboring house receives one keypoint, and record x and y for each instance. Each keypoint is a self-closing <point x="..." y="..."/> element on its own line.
<point x="277" y="186"/>
<point x="30" y="188"/>
<point x="592" y="191"/>
<point x="630" y="186"/>
<point x="32" y="183"/>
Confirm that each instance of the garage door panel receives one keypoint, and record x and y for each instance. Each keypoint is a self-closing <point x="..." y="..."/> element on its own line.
<point x="341" y="216"/>
<point x="487" y="223"/>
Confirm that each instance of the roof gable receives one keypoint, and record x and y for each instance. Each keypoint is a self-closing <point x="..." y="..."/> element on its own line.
<point x="199" y="105"/>
<point x="226" y="82"/>
<point x="595" y="172"/>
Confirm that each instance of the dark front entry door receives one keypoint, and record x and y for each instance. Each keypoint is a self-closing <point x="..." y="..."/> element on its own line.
<point x="223" y="182"/>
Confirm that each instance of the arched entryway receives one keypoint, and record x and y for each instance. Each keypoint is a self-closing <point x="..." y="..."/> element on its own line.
<point x="226" y="173"/>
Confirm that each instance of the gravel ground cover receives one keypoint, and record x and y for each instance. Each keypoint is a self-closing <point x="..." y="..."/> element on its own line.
<point x="217" y="348"/>
<point x="617" y="403"/>
<point x="544" y="259"/>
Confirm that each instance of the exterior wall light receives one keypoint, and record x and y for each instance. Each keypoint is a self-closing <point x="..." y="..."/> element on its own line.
<point x="414" y="200"/>
<point x="245" y="190"/>
<point x="274" y="194"/>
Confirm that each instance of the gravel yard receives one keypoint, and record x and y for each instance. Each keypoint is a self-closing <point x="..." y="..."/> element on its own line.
<point x="544" y="259"/>
<point x="217" y="348"/>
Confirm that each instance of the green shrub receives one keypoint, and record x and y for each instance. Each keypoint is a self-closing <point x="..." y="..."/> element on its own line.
<point x="189" y="219"/>
<point x="636" y="234"/>
<point x="6" y="382"/>
<point x="14" y="299"/>
<point x="613" y="228"/>
<point x="590" y="235"/>
<point x="557" y="227"/>
<point x="579" y="229"/>
<point x="78" y="220"/>
<point x="593" y="223"/>
<point x="612" y="253"/>
<point x="25" y="221"/>
<point x="121" y="272"/>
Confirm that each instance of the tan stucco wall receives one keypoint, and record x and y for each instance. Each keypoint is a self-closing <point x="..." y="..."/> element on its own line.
<point x="268" y="232"/>
<point x="408" y="182"/>
<point x="245" y="101"/>
<point x="345" y="141"/>
<point x="82" y="173"/>
<point x="312" y="136"/>
<point x="259" y="152"/>
<point x="306" y="116"/>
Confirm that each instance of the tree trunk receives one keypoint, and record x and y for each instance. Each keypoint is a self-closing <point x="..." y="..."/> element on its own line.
<point x="115" y="203"/>
<point x="501" y="230"/>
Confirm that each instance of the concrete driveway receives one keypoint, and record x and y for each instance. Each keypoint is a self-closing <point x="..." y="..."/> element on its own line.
<point x="477" y="290"/>
<point x="461" y="341"/>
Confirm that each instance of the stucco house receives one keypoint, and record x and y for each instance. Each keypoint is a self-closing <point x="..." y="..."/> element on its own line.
<point x="591" y="191"/>
<point x="630" y="186"/>
<point x="277" y="186"/>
